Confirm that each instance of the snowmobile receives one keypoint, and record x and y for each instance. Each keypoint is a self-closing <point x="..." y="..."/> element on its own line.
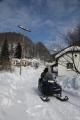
<point x="50" y="88"/>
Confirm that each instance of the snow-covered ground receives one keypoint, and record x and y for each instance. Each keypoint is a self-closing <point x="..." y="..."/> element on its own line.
<point x="19" y="98"/>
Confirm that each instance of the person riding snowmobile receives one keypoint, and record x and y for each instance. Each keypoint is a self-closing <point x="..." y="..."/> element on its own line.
<point x="47" y="85"/>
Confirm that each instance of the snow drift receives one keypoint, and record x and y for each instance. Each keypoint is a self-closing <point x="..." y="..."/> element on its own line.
<point x="70" y="84"/>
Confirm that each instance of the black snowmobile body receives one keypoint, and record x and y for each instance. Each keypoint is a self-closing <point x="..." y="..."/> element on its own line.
<point x="49" y="87"/>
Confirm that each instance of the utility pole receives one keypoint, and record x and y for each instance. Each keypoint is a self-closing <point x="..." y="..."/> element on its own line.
<point x="23" y="45"/>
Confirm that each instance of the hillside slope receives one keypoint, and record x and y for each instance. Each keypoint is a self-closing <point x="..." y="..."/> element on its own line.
<point x="30" y="49"/>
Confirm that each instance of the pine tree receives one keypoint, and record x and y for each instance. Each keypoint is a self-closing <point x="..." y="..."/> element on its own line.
<point x="5" y="60"/>
<point x="18" y="51"/>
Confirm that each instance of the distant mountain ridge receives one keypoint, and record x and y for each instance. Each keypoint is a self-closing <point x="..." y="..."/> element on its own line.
<point x="31" y="50"/>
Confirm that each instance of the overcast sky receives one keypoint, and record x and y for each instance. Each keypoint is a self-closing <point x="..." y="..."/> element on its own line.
<point x="46" y="18"/>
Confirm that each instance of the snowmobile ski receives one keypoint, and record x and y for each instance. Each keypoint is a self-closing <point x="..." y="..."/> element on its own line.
<point x="45" y="98"/>
<point x="63" y="99"/>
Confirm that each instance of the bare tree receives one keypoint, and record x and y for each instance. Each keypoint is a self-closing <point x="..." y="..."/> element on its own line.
<point x="73" y="38"/>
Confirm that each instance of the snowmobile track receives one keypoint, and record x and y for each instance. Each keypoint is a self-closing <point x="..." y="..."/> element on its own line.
<point x="62" y="99"/>
<point x="45" y="99"/>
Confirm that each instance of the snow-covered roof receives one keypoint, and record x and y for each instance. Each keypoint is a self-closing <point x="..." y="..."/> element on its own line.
<point x="35" y="60"/>
<point x="68" y="49"/>
<point x="24" y="59"/>
<point x="16" y="59"/>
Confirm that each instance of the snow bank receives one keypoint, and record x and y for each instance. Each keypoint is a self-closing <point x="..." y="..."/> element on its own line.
<point x="70" y="84"/>
<point x="7" y="88"/>
<point x="10" y="82"/>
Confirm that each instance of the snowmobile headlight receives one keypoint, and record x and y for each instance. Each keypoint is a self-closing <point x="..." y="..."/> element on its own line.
<point x="50" y="81"/>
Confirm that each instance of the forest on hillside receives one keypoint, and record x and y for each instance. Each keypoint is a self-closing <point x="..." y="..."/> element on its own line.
<point x="29" y="49"/>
